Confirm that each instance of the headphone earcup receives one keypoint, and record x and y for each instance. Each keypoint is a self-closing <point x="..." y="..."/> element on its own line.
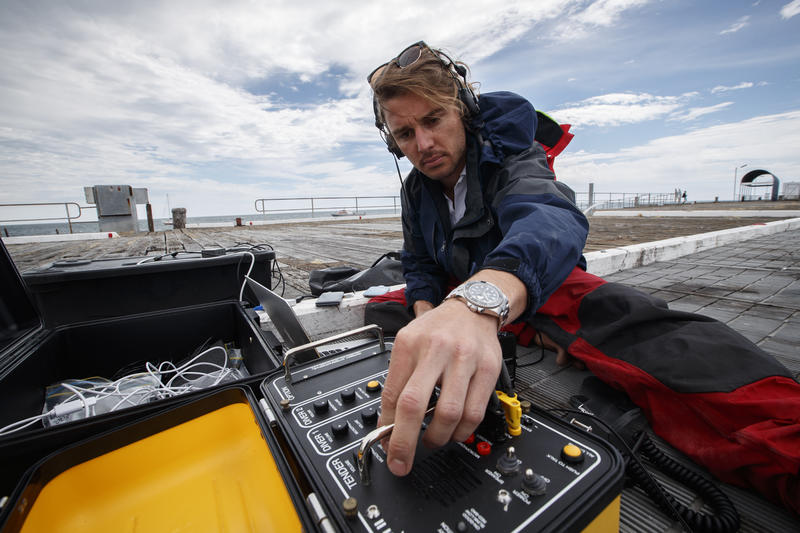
<point x="468" y="97"/>
<point x="390" y="144"/>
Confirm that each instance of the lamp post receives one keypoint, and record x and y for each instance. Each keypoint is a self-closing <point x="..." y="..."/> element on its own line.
<point x="735" y="172"/>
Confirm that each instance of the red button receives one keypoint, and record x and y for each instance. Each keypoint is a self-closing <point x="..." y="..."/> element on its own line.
<point x="484" y="448"/>
<point x="470" y="439"/>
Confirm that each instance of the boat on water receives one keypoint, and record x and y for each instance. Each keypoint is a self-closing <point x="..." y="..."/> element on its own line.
<point x="346" y="213"/>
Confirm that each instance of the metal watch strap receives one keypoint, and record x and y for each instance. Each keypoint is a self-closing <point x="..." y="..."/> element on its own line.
<point x="500" y="310"/>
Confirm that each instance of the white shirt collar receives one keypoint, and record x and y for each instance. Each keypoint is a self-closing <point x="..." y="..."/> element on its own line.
<point x="458" y="205"/>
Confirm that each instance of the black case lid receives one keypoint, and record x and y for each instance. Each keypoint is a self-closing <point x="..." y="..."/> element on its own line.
<point x="71" y="292"/>
<point x="18" y="315"/>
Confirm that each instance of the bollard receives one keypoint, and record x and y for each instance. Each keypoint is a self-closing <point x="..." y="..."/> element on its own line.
<point x="178" y="218"/>
<point x="150" y="223"/>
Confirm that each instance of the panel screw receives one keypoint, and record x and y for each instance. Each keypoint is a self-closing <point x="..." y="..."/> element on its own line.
<point x="350" y="507"/>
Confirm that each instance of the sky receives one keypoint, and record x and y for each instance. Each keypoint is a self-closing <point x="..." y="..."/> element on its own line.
<point x="211" y="105"/>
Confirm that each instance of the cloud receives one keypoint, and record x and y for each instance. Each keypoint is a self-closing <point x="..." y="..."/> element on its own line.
<point x="120" y="93"/>
<point x="736" y="26"/>
<point x="582" y="18"/>
<point x="695" y="112"/>
<point x="791" y="9"/>
<point x="700" y="161"/>
<point x="616" y="109"/>
<point x="723" y="88"/>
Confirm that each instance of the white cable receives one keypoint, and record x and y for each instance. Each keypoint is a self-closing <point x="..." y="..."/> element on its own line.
<point x="244" y="281"/>
<point x="81" y="397"/>
<point x="27" y="422"/>
<point x="73" y="406"/>
<point x="87" y="397"/>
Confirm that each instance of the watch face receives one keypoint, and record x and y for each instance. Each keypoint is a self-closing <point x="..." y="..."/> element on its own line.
<point x="483" y="295"/>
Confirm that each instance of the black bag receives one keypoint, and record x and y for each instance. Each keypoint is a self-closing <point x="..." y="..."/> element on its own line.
<point x="387" y="270"/>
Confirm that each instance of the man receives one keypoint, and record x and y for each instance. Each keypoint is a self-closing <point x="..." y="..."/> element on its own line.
<point x="483" y="213"/>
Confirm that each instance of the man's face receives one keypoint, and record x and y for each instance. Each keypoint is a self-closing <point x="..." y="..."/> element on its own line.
<point x="431" y="137"/>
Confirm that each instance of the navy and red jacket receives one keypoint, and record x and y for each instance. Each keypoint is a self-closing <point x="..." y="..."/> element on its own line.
<point x="518" y="218"/>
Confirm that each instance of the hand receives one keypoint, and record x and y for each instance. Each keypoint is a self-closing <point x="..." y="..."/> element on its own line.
<point x="421" y="307"/>
<point x="562" y="357"/>
<point x="454" y="347"/>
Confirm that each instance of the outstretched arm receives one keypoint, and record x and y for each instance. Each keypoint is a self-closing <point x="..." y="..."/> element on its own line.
<point x="456" y="348"/>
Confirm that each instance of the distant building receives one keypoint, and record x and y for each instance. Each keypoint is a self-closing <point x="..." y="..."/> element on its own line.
<point x="791" y="191"/>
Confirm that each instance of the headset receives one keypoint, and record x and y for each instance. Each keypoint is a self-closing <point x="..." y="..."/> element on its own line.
<point x="459" y="75"/>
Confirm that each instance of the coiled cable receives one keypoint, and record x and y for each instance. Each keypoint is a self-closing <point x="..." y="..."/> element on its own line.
<point x="726" y="518"/>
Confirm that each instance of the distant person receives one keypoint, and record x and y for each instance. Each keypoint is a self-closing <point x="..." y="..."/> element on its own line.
<point x="684" y="196"/>
<point x="491" y="240"/>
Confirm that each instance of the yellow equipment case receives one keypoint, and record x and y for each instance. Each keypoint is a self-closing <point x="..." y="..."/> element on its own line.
<point x="79" y="342"/>
<point x="208" y="465"/>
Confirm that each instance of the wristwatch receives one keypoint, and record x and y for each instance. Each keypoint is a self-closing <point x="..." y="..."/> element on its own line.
<point x="483" y="297"/>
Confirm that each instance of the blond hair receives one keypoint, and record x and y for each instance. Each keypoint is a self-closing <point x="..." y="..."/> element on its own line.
<point x="430" y="77"/>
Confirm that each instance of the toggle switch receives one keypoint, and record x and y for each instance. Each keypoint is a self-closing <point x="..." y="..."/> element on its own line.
<point x="533" y="484"/>
<point x="509" y="464"/>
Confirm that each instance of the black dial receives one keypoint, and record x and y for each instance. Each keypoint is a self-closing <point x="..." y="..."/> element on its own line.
<point x="483" y="295"/>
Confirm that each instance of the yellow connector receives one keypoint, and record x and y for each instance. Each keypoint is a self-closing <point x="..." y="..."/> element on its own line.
<point x="513" y="412"/>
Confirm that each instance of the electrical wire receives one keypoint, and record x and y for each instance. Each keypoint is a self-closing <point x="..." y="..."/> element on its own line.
<point x="541" y="355"/>
<point x="634" y="458"/>
<point x="81" y="397"/>
<point x="89" y="391"/>
<point x="249" y="270"/>
<point x="275" y="272"/>
<point x="25" y="423"/>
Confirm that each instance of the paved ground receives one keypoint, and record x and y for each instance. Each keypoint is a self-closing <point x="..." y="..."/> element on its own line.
<point x="305" y="246"/>
<point x="754" y="287"/>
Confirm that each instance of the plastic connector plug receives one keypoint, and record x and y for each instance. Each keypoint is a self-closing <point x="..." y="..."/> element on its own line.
<point x="513" y="411"/>
<point x="73" y="406"/>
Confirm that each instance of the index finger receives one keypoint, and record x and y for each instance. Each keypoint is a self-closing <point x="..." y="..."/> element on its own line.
<point x="401" y="366"/>
<point x="410" y="411"/>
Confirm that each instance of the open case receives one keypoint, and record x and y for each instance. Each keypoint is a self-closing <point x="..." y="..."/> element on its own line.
<point x="206" y="465"/>
<point x="37" y="358"/>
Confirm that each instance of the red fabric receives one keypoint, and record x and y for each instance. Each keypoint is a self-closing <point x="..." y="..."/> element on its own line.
<point x="562" y="306"/>
<point x="398" y="296"/>
<point x="552" y="152"/>
<point x="747" y="437"/>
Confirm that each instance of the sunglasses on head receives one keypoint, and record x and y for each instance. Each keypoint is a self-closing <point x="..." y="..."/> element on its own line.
<point x="406" y="58"/>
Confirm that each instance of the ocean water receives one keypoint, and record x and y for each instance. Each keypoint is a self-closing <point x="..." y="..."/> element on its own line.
<point x="51" y="228"/>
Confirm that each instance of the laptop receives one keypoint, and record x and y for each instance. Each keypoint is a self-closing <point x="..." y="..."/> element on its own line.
<point x="290" y="329"/>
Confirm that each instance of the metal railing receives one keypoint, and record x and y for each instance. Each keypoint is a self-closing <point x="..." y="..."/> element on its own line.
<point x="621" y="200"/>
<point x="68" y="217"/>
<point x="345" y="205"/>
<point x="356" y="205"/>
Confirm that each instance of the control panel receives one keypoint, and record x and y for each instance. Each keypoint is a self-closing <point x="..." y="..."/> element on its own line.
<point x="550" y="477"/>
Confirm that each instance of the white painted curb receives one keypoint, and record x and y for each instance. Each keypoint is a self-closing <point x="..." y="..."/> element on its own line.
<point x="28" y="239"/>
<point x="604" y="262"/>
<point x="701" y="213"/>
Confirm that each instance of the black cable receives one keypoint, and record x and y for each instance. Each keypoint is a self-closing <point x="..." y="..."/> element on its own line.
<point x="670" y="508"/>
<point x="399" y="175"/>
<point x="275" y="272"/>
<point x="278" y="276"/>
<point x="505" y="380"/>
<point x="541" y="355"/>
<point x="725" y="519"/>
